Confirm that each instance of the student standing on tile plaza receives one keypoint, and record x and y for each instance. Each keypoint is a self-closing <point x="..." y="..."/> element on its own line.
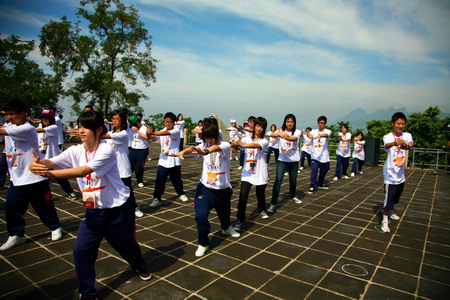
<point x="319" y="155"/>
<point x="306" y="148"/>
<point x="234" y="136"/>
<point x="396" y="145"/>
<point x="287" y="161"/>
<point x="48" y="145"/>
<point x="343" y="153"/>
<point x="118" y="140"/>
<point x="109" y="207"/>
<point x="358" y="154"/>
<point x="245" y="131"/>
<point x="139" y="149"/>
<point x="169" y="139"/>
<point x="214" y="189"/>
<point x="25" y="187"/>
<point x="274" y="144"/>
<point x="179" y="124"/>
<point x="254" y="171"/>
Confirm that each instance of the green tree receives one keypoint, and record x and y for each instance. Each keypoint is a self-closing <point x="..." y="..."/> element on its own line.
<point x="155" y="121"/>
<point x="427" y="129"/>
<point x="378" y="129"/>
<point x="116" y="52"/>
<point x="23" y="79"/>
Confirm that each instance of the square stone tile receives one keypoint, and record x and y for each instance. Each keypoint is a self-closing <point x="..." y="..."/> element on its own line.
<point x="160" y="289"/>
<point x="317" y="258"/>
<point x="329" y="247"/>
<point x="52" y="267"/>
<point x="343" y="284"/>
<point x="436" y="273"/>
<point x="30" y="257"/>
<point x="250" y="275"/>
<point x="13" y="281"/>
<point x="400" y="265"/>
<point x="375" y="292"/>
<point x="241" y="252"/>
<point x="192" y="278"/>
<point x="286" y="288"/>
<point x="269" y="261"/>
<point x="393" y="279"/>
<point x="320" y="294"/>
<point x="285" y="249"/>
<point x="433" y="290"/>
<point x="218" y="263"/>
<point x="304" y="272"/>
<point x="226" y="289"/>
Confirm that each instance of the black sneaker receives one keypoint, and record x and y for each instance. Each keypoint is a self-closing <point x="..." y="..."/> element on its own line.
<point x="144" y="273"/>
<point x="311" y="190"/>
<point x="238" y="226"/>
<point x="324" y="187"/>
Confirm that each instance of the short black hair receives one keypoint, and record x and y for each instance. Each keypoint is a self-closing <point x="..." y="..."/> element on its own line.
<point x="260" y="121"/>
<point x="50" y="118"/>
<point x="345" y="126"/>
<point x="15" y="105"/>
<point x="308" y="128"/>
<point x="398" y="115"/>
<point x="273" y="125"/>
<point x="251" y="119"/>
<point x="139" y="115"/>
<point x="322" y="118"/>
<point x="92" y="120"/>
<point x="89" y="106"/>
<point x="210" y="129"/>
<point x="170" y="115"/>
<point x="360" y="133"/>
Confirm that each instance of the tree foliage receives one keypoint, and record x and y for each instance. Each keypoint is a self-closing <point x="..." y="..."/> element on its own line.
<point x="22" y="78"/>
<point x="116" y="52"/>
<point x="427" y="129"/>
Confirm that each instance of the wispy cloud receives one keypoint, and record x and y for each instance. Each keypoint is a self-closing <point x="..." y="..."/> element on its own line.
<point x="22" y="16"/>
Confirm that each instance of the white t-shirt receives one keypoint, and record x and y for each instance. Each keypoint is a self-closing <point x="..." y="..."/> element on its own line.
<point x="394" y="168"/>
<point x="319" y="150"/>
<point x="180" y="125"/>
<point x="105" y="181"/>
<point x="216" y="164"/>
<point x="289" y="149"/>
<point x="48" y="142"/>
<point x="138" y="141"/>
<point x="58" y="123"/>
<point x="307" y="142"/>
<point x="344" y="147"/>
<point x="23" y="139"/>
<point x="7" y="138"/>
<point x="130" y="134"/>
<point x="169" y="144"/>
<point x="197" y="135"/>
<point x="234" y="133"/>
<point x="358" y="150"/>
<point x="119" y="143"/>
<point x="255" y="167"/>
<point x="274" y="142"/>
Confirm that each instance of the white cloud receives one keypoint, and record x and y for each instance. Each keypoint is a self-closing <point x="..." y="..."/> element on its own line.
<point x="21" y="16"/>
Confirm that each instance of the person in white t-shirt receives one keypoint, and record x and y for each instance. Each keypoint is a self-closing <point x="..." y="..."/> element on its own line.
<point x="168" y="166"/>
<point x="180" y="125"/>
<point x="234" y="136"/>
<point x="343" y="153"/>
<point x="320" y="157"/>
<point x="197" y="131"/>
<point x="254" y="171"/>
<point x="396" y="144"/>
<point x="109" y="207"/>
<point x="59" y="123"/>
<point x="118" y="140"/>
<point x="25" y="187"/>
<point x="287" y="161"/>
<point x="306" y="148"/>
<point x="245" y="131"/>
<point x="139" y="149"/>
<point x="48" y="146"/>
<point x="3" y="162"/>
<point x="274" y="144"/>
<point x="214" y="189"/>
<point x="358" y="154"/>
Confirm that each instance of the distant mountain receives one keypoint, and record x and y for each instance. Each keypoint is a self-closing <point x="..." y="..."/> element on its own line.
<point x="359" y="117"/>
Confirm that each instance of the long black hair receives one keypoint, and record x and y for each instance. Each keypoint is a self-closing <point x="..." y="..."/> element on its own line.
<point x="289" y="116"/>
<point x="92" y="120"/>
<point x="123" y="120"/>
<point x="260" y="121"/>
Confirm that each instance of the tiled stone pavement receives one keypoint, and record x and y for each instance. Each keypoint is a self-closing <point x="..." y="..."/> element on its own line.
<point x="329" y="247"/>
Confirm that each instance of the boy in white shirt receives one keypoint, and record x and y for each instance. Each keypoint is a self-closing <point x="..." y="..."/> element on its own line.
<point x="169" y="139"/>
<point x="25" y="187"/>
<point x="197" y="131"/>
<point x="320" y="158"/>
<point x="306" y="148"/>
<point x="214" y="189"/>
<point x="396" y="144"/>
<point x="139" y="149"/>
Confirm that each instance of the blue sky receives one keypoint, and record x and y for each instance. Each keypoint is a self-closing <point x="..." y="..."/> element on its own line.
<point x="269" y="58"/>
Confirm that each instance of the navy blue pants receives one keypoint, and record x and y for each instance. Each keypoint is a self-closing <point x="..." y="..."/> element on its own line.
<point x="392" y="193"/>
<point x="17" y="200"/>
<point x="65" y="185"/>
<point x="241" y="157"/>
<point x="341" y="166"/>
<point x="269" y="152"/>
<point x="161" y="178"/>
<point x="291" y="168"/>
<point x="127" y="182"/>
<point x="137" y="160"/>
<point x="322" y="169"/>
<point x="205" y="200"/>
<point x="3" y="169"/>
<point x="243" y="198"/>
<point x="117" y="226"/>
<point x="302" y="159"/>
<point x="357" y="165"/>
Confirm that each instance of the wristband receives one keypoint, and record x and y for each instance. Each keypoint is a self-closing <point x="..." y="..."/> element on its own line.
<point x="206" y="151"/>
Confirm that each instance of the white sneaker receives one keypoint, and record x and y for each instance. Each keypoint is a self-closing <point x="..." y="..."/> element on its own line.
<point x="155" y="203"/>
<point x="299" y="171"/>
<point x="301" y="168"/>
<point x="393" y="215"/>
<point x="149" y="159"/>
<point x="236" y="158"/>
<point x="72" y="196"/>
<point x="231" y="231"/>
<point x="13" y="241"/>
<point x="345" y="177"/>
<point x="352" y="175"/>
<point x="385" y="227"/>
<point x="263" y="215"/>
<point x="183" y="198"/>
<point x="138" y="213"/>
<point x="272" y="208"/>
<point x="240" y="168"/>
<point x="335" y="179"/>
<point x="140" y="184"/>
<point x="57" y="234"/>
<point x="361" y="172"/>
<point x="286" y="173"/>
<point x="296" y="200"/>
<point x="201" y="250"/>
